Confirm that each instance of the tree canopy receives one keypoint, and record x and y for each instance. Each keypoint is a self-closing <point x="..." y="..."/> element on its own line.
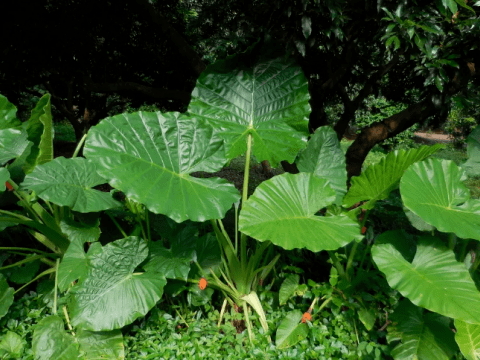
<point x="95" y="56"/>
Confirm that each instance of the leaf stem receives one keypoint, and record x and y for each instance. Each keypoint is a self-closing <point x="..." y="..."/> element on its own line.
<point x="243" y="237"/>
<point x="350" y="259"/>
<point x="68" y="320"/>
<point x="56" y="288"/>
<point x="79" y="146"/>
<point x="117" y="225"/>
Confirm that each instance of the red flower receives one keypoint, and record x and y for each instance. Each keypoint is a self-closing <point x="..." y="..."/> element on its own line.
<point x="9" y="186"/>
<point x="306" y="316"/>
<point x="202" y="284"/>
<point x="364" y="230"/>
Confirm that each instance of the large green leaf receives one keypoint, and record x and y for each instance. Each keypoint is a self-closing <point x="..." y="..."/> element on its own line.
<point x="13" y="143"/>
<point x="69" y="182"/>
<point x="4" y="176"/>
<point x="12" y="343"/>
<point x="283" y="209"/>
<point x="263" y="96"/>
<point x="149" y="157"/>
<point x="433" y="190"/>
<point x="39" y="128"/>
<point x="288" y="288"/>
<point x="75" y="263"/>
<point x="51" y="341"/>
<point x="468" y="339"/>
<point x="173" y="263"/>
<point x="325" y="158"/>
<point x="291" y="331"/>
<point x="111" y="295"/>
<point x="105" y="345"/>
<point x="8" y="114"/>
<point x="85" y="231"/>
<point x="472" y="165"/>
<point x="6" y="296"/>
<point x="434" y="280"/>
<point x="424" y="336"/>
<point x="380" y="179"/>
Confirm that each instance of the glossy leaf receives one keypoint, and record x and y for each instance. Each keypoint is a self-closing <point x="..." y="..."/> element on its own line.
<point x="4" y="176"/>
<point x="111" y="295"/>
<point x="325" y="158"/>
<point x="283" y="209"/>
<point x="70" y="182"/>
<point x="8" y="114"/>
<point x="173" y="263"/>
<point x="75" y="263"/>
<point x="472" y="165"/>
<point x="367" y="317"/>
<point x="423" y="335"/>
<point x="6" y="296"/>
<point x="12" y="343"/>
<point x="81" y="231"/>
<point x="106" y="345"/>
<point x="39" y="128"/>
<point x="266" y="97"/>
<point x="378" y="180"/>
<point x="291" y="331"/>
<point x="468" y="339"/>
<point x="51" y="341"/>
<point x="149" y="157"/>
<point x="13" y="143"/>
<point x="288" y="288"/>
<point x="434" y="279"/>
<point x="433" y="190"/>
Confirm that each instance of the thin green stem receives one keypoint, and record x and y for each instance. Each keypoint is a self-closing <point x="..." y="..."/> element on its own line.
<point x="68" y="320"/>
<point x="350" y="259"/>
<point x="140" y="222"/>
<point x="24" y="261"/>
<point x="27" y="206"/>
<point x="325" y="303"/>
<point x="243" y="237"/>
<point x="46" y="272"/>
<point x="222" y="311"/>
<point x="79" y="146"/>
<point x="24" y="249"/>
<point x="147" y="220"/>
<point x="247" y="320"/>
<point x="452" y="240"/>
<point x="236" y="227"/>
<point x="117" y="225"/>
<point x="18" y="216"/>
<point x="56" y="288"/>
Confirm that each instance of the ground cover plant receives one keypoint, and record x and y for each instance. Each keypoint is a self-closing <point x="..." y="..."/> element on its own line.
<point x="415" y="288"/>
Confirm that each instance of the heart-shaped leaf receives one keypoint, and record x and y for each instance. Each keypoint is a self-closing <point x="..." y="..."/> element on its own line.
<point x="13" y="143"/>
<point x="173" y="263"/>
<point x="4" y="176"/>
<point x="149" y="157"/>
<point x="424" y="336"/>
<point x="380" y="179"/>
<point x="85" y="231"/>
<point x="468" y="339"/>
<point x="433" y="190"/>
<point x="51" y="341"/>
<point x="6" y="296"/>
<point x="325" y="158"/>
<point x="75" y="263"/>
<point x="105" y="345"/>
<point x="12" y="343"/>
<point x="263" y="96"/>
<point x="288" y="288"/>
<point x="111" y="295"/>
<point x="8" y="114"/>
<point x="283" y="209"/>
<point x="434" y="280"/>
<point x="69" y="182"/>
<point x="291" y="331"/>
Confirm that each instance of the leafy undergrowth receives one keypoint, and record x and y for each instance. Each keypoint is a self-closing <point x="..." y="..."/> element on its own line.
<point x="333" y="335"/>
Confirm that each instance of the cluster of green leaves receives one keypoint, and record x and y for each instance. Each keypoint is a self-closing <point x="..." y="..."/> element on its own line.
<point x="256" y="102"/>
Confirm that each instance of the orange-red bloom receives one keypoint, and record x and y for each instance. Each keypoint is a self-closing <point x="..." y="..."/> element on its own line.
<point x="364" y="230"/>
<point x="9" y="186"/>
<point x="202" y="284"/>
<point x="306" y="316"/>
